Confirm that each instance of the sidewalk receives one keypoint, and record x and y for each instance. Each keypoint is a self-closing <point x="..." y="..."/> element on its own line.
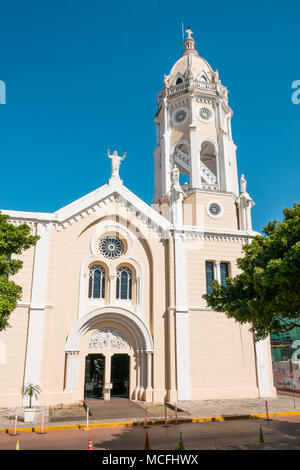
<point x="189" y="411"/>
<point x="246" y="406"/>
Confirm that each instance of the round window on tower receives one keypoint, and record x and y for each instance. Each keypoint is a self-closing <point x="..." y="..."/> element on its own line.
<point x="111" y="247"/>
<point x="205" y="114"/>
<point x="214" y="209"/>
<point x="180" y="116"/>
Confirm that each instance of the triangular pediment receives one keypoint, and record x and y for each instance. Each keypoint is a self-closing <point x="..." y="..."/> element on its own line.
<point x="111" y="192"/>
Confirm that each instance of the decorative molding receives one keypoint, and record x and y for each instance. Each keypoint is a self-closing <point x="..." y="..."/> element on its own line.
<point x="89" y="204"/>
<point x="190" y="232"/>
<point x="108" y="338"/>
<point x="190" y="308"/>
<point x="32" y="306"/>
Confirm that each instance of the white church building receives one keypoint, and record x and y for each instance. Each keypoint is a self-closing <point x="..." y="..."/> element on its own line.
<point x="112" y="300"/>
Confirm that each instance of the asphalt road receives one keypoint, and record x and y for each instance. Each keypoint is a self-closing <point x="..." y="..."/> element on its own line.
<point x="280" y="434"/>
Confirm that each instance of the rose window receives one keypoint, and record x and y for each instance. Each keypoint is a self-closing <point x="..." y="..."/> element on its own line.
<point x="214" y="209"/>
<point x="205" y="114"/>
<point x="111" y="247"/>
<point x="180" y="116"/>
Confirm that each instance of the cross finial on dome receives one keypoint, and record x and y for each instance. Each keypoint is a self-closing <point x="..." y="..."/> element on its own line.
<point x="189" y="43"/>
<point x="189" y="32"/>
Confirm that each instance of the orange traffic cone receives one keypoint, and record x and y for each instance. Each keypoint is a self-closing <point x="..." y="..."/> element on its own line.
<point x="90" y="445"/>
<point x="147" y="442"/>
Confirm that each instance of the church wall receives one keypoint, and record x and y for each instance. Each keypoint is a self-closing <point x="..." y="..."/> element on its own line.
<point x="197" y="253"/>
<point x="12" y="360"/>
<point x="195" y="213"/>
<point x="222" y="357"/>
<point x="178" y="133"/>
<point x="208" y="131"/>
<point x="222" y="351"/>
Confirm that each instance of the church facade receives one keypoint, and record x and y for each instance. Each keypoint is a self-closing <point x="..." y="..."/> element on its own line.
<point x="112" y="293"/>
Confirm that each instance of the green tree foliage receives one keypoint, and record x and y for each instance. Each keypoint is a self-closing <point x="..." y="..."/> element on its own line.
<point x="13" y="241"/>
<point x="266" y="293"/>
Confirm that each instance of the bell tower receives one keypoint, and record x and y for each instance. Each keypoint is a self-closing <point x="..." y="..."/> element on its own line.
<point x="193" y="125"/>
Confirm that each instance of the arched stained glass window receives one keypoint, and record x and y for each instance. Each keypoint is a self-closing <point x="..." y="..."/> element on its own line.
<point x="124" y="283"/>
<point x="97" y="282"/>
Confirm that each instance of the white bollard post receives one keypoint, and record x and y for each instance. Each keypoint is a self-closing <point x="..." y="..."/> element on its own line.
<point x="146" y="419"/>
<point x="42" y="424"/>
<point x="166" y="417"/>
<point x="176" y="414"/>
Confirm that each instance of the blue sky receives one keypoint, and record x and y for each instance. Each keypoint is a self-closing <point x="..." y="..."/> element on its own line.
<point x="82" y="77"/>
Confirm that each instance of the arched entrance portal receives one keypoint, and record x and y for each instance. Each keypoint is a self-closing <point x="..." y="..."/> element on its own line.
<point x="94" y="376"/>
<point x="112" y="332"/>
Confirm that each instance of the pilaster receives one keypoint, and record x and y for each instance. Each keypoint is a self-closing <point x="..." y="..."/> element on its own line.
<point x="181" y="321"/>
<point x="37" y="309"/>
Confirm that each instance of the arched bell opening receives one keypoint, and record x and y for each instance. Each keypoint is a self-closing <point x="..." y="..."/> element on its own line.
<point x="182" y="161"/>
<point x="209" y="165"/>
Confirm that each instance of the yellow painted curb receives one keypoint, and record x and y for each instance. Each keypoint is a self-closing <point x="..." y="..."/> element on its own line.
<point x="54" y="428"/>
<point x="285" y="413"/>
<point x="104" y="425"/>
<point x="10" y="431"/>
<point x="83" y="427"/>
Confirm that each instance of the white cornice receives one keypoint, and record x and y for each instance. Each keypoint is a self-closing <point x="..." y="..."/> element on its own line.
<point x="114" y="191"/>
<point x="191" y="232"/>
<point x="32" y="306"/>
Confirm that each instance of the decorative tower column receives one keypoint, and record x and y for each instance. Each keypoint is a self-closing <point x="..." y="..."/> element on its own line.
<point x="72" y="366"/>
<point x="138" y="374"/>
<point x="244" y="204"/>
<point x="176" y="198"/>
<point x="149" y="389"/>
<point x="142" y="375"/>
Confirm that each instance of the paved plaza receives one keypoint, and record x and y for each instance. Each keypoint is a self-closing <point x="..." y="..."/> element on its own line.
<point x="116" y="411"/>
<point x="125" y="410"/>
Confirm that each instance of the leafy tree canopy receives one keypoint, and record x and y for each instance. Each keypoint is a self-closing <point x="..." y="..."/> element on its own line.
<point x="266" y="293"/>
<point x="13" y="241"/>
